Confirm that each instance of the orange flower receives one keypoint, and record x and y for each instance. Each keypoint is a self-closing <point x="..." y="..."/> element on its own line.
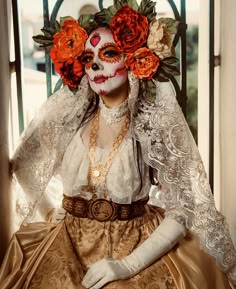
<point x="129" y="29"/>
<point x="69" y="42"/>
<point x="71" y="71"/>
<point x="143" y="63"/>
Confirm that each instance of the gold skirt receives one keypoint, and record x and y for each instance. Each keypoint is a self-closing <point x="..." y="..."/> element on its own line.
<point x="47" y="256"/>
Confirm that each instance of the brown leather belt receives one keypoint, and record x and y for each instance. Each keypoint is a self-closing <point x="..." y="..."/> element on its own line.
<point x="103" y="210"/>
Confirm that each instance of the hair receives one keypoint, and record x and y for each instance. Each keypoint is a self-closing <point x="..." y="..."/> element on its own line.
<point x="139" y="160"/>
<point x="93" y="107"/>
<point x="95" y="25"/>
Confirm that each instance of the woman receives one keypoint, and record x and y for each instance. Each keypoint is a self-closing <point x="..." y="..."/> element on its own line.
<point x="109" y="141"/>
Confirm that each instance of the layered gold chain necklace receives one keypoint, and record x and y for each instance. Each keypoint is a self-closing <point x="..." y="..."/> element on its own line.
<point x="97" y="171"/>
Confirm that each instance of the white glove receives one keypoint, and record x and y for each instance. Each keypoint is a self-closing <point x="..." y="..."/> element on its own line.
<point x="166" y="235"/>
<point x="56" y="215"/>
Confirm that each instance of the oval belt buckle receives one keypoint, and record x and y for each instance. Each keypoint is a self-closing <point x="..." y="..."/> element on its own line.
<point x="102" y="210"/>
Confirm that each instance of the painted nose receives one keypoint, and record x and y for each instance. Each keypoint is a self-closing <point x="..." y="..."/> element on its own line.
<point x="95" y="66"/>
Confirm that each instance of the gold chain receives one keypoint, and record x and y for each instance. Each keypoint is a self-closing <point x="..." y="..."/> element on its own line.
<point x="97" y="172"/>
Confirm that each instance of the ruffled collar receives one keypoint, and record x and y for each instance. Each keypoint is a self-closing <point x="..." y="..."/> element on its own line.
<point x="114" y="114"/>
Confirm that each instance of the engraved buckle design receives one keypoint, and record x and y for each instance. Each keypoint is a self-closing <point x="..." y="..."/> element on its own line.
<point x="102" y="210"/>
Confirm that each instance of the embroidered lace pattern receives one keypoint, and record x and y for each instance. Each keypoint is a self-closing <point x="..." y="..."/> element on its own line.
<point x="42" y="146"/>
<point x="168" y="146"/>
<point x="115" y="114"/>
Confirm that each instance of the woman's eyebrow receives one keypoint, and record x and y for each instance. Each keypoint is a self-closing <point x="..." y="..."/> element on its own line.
<point x="88" y="50"/>
<point x="108" y="45"/>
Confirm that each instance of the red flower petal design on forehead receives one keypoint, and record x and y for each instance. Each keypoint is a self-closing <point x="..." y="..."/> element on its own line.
<point x="95" y="39"/>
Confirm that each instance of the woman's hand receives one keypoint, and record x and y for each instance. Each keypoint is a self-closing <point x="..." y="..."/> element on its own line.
<point x="104" y="271"/>
<point x="165" y="236"/>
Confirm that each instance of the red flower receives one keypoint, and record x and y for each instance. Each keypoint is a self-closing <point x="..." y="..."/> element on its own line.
<point x="71" y="71"/>
<point x="69" y="42"/>
<point x="129" y="29"/>
<point x="143" y="63"/>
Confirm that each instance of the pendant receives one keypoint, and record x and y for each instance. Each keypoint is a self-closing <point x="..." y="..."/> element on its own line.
<point x="96" y="173"/>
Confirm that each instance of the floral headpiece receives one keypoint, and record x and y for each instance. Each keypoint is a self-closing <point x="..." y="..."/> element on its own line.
<point x="145" y="41"/>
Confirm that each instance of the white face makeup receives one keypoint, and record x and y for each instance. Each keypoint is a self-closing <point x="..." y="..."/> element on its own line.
<point x="104" y="63"/>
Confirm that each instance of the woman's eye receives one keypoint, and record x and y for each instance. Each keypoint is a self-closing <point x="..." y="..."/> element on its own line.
<point x="111" y="53"/>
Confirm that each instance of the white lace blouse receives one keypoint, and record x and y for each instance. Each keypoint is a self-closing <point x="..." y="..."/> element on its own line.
<point x="125" y="182"/>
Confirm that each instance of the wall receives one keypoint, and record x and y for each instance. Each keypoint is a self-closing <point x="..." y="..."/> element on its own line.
<point x="4" y="108"/>
<point x="228" y="113"/>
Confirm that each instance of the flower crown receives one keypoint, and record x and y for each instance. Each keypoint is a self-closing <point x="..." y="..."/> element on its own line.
<point x="145" y="41"/>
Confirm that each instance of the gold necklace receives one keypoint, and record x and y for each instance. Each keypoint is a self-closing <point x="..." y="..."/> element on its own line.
<point x="97" y="171"/>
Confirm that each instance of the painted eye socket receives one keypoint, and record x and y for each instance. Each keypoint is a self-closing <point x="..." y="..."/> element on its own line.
<point x="111" y="53"/>
<point x="86" y="58"/>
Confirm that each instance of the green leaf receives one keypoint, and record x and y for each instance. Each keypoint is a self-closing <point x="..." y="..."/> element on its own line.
<point x="58" y="85"/>
<point x="120" y="3"/>
<point x="171" y="24"/>
<point x="171" y="70"/>
<point x="63" y="19"/>
<point x="110" y="12"/>
<point x="170" y="60"/>
<point x="43" y="40"/>
<point x="168" y="67"/>
<point x="133" y="4"/>
<point x="100" y="16"/>
<point x="50" y="30"/>
<point x="50" y="45"/>
<point x="57" y="26"/>
<point x="85" y="20"/>
<point x="161" y="75"/>
<point x="105" y="15"/>
<point x="47" y="32"/>
<point x="147" y="8"/>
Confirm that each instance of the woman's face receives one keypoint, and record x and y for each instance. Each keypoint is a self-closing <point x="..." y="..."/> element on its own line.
<point x="104" y="63"/>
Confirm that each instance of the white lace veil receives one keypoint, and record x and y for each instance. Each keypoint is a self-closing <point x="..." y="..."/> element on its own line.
<point x="41" y="150"/>
<point x="167" y="146"/>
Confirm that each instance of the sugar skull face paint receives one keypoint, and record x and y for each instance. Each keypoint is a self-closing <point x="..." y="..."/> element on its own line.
<point x="104" y="63"/>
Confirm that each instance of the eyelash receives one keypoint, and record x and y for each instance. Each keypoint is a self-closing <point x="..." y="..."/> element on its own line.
<point x="87" y="59"/>
<point x="111" y="53"/>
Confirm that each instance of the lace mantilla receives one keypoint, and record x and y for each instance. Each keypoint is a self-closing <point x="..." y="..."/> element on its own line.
<point x="42" y="147"/>
<point x="114" y="114"/>
<point x="167" y="146"/>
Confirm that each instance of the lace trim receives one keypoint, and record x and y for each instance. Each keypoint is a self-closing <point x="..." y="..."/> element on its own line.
<point x="114" y="114"/>
<point x="42" y="146"/>
<point x="168" y="146"/>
